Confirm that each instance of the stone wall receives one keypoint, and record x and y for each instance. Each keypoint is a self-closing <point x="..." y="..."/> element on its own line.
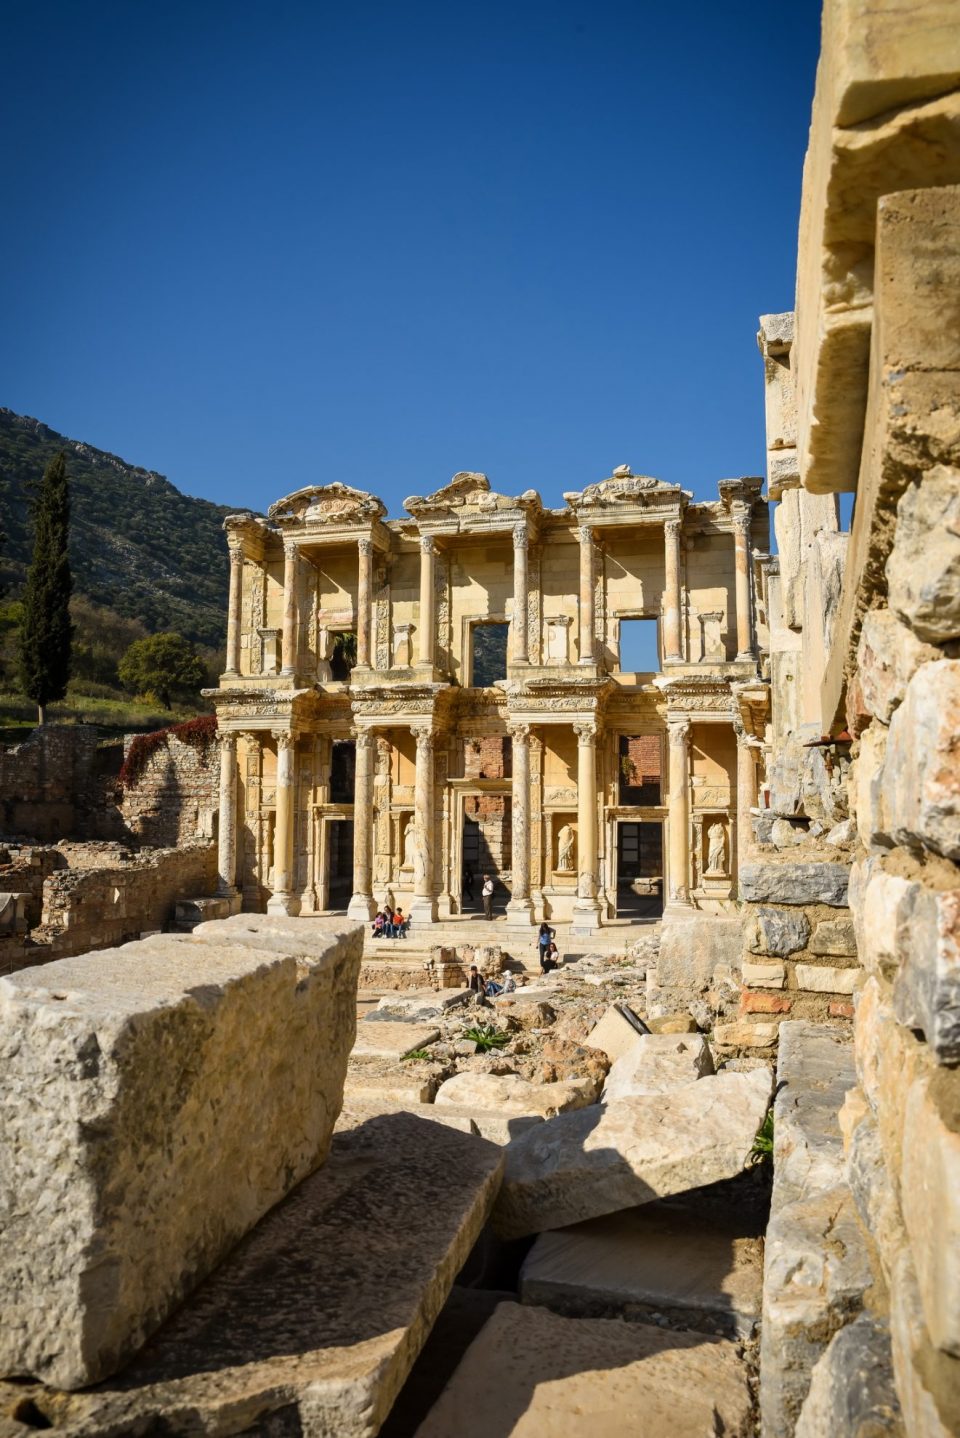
<point x="60" y="781"/>
<point x="175" y="798"/>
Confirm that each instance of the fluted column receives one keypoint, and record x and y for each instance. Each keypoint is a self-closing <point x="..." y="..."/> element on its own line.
<point x="586" y="910"/>
<point x="364" y="599"/>
<point x="746" y="794"/>
<point x="671" y="591"/>
<point x="520" y="909"/>
<point x="283" y="899"/>
<point x="587" y="583"/>
<point x="361" y="903"/>
<point x="234" y="607"/>
<point x="741" y="512"/>
<point x="289" y="643"/>
<point x="227" y="820"/>
<point x="423" y="910"/>
<point x="678" y="877"/>
<point x="428" y="612"/>
<point x="520" y="587"/>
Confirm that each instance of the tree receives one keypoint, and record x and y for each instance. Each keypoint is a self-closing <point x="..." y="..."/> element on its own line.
<point x="166" y="665"/>
<point x="46" y="631"/>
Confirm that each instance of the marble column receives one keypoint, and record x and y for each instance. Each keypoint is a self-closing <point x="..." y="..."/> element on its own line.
<point x="741" y="512"/>
<point x="678" y="877"/>
<point x="227" y="822"/>
<point x="746" y="793"/>
<point x="587" y="584"/>
<point x="289" y="641"/>
<point x="520" y="909"/>
<point x="283" y="899"/>
<point x="428" y="610"/>
<point x="234" y="608"/>
<point x="586" y="909"/>
<point x="423" y="909"/>
<point x="361" y="904"/>
<point x="671" y="591"/>
<point x="520" y="587"/>
<point x="364" y="602"/>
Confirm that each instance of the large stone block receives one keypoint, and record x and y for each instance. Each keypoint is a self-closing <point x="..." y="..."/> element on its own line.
<point x="879" y="57"/>
<point x="690" y="950"/>
<point x="816" y="883"/>
<point x="511" y="1094"/>
<point x="583" y="1165"/>
<point x="888" y="656"/>
<point x="617" y="1031"/>
<point x="157" y="1100"/>
<point x="869" y="791"/>
<point x="532" y="1374"/>
<point x="776" y="931"/>
<point x="926" y="989"/>
<point x="658" y="1063"/>
<point x="930" y="1199"/>
<point x="921" y="772"/>
<point x="852" y="1392"/>
<point x="923" y="571"/>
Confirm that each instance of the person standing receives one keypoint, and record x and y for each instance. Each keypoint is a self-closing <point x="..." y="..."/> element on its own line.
<point x="487" y="892"/>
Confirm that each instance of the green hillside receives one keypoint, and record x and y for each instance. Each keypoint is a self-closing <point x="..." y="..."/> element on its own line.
<point x="138" y="546"/>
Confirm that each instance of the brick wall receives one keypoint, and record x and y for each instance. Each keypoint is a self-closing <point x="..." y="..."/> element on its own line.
<point x="175" y="798"/>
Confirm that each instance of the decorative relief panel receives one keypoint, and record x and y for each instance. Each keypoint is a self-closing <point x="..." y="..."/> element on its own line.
<point x="382" y="617"/>
<point x="258" y="618"/>
<point x="441" y="581"/>
<point x="534" y="591"/>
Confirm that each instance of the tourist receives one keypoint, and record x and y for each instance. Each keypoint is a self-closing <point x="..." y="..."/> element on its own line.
<point x="468" y="882"/>
<point x="487" y="892"/>
<point x="398" y="926"/>
<point x="491" y="988"/>
<point x="379" y="923"/>
<point x="545" y="936"/>
<point x="509" y="984"/>
<point x="549" y="958"/>
<point x="476" y="984"/>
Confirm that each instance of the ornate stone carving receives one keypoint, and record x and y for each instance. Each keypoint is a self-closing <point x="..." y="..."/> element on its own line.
<point x="365" y="546"/>
<point x="428" y="544"/>
<point x="520" y="537"/>
<point x="285" y="739"/>
<point x="519" y="733"/>
<point x="326" y="503"/>
<point x="586" y="731"/>
<point x="382" y="617"/>
<point x="441" y="584"/>
<point x="257" y="619"/>
<point x="716" y="851"/>
<point x="566" y="844"/>
<point x="678" y="732"/>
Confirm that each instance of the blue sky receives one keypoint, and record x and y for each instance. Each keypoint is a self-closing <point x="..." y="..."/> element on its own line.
<point x="259" y="246"/>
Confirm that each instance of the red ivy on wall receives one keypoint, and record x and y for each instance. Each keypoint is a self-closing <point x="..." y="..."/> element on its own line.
<point x="198" y="733"/>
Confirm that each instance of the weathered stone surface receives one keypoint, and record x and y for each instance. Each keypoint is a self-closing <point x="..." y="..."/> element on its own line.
<point x="776" y="931"/>
<point x="157" y="1100"/>
<point x="888" y="656"/>
<point x="819" y="979"/>
<point x="930" y="1199"/>
<point x="315" y="1320"/>
<point x="583" y="1165"/>
<point x="393" y="1040"/>
<point x="764" y="976"/>
<point x="852" y="1393"/>
<point x="511" y="1094"/>
<point x="869" y="789"/>
<point x="420" y="1005"/>
<point x="834" y="938"/>
<point x="742" y="1035"/>
<point x="921" y="768"/>
<point x="658" y="1063"/>
<point x="690" y="950"/>
<point x="672" y="1024"/>
<point x="923" y="571"/>
<point x="397" y="1084"/>
<point x="784" y="835"/>
<point x="926" y="990"/>
<point x="817" y="883"/>
<point x="532" y="1374"/>
<point x="563" y="1059"/>
<point x="661" y="1257"/>
<point x="616" y="1033"/>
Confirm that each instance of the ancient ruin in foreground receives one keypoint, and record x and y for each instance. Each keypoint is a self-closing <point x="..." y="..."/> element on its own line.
<point x="265" y="1175"/>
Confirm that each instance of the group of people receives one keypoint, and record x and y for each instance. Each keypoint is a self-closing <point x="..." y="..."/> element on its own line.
<point x="547" y="949"/>
<point x="490" y="988"/>
<point x="390" y="924"/>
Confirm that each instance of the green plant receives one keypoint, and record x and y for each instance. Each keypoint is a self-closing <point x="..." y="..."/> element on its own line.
<point x="416" y="1054"/>
<point x="763" y="1143"/>
<point x="164" y="665"/>
<point x="46" y="632"/>
<point x="486" y="1037"/>
<point x="198" y="733"/>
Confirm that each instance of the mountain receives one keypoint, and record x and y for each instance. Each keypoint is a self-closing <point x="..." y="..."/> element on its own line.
<point x="137" y="545"/>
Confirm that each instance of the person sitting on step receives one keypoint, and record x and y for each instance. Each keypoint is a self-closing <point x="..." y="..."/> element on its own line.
<point x="549" y="958"/>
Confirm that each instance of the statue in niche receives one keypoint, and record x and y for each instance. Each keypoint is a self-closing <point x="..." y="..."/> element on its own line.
<point x="409" y="845"/>
<point x="716" y="850"/>
<point x="565" y="843"/>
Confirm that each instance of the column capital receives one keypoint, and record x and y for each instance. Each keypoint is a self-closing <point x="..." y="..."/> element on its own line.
<point x="519" y="733"/>
<point x="253" y="738"/>
<point x="235" y="548"/>
<point x="521" y="537"/>
<point x="585" y="730"/>
<point x="365" y="546"/>
<point x="290" y="549"/>
<point x="672" y="527"/>
<point x="428" y="544"/>
<point x="425" y="736"/>
<point x="585" y="533"/>
<point x="363" y="738"/>
<point x="285" y="738"/>
<point x="741" y="512"/>
<point x="678" y="731"/>
<point x="227" y="738"/>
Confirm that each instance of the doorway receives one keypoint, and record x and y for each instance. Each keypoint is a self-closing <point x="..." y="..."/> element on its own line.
<point x="340" y="858"/>
<point x="639" y="869"/>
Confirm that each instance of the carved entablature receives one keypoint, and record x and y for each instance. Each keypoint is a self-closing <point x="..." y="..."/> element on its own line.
<point x="752" y="703"/>
<point x="321" y="504"/>
<point x="247" y="532"/>
<point x="745" y="491"/>
<point x="624" y="495"/>
<point x="468" y="503"/>
<point x="699" y="696"/>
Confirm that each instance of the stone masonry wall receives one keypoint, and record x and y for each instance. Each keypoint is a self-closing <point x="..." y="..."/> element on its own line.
<point x="175" y="798"/>
<point x="59" y="781"/>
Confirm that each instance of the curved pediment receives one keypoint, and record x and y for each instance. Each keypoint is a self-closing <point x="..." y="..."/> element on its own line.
<point x="467" y="492"/>
<point x="324" y="503"/>
<point x="622" y="487"/>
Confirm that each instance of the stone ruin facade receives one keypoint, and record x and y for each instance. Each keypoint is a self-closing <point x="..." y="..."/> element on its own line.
<point x="492" y="721"/>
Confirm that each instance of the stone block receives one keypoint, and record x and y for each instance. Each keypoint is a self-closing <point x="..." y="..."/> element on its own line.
<point x="420" y="1005"/>
<point x="930" y="1200"/>
<point x="617" y="1032"/>
<point x="658" y="1063"/>
<point x="583" y="1165"/>
<point x="399" y="1086"/>
<point x="817" y="883"/>
<point x="926" y="990"/>
<point x="815" y="1070"/>
<point x="312" y="1325"/>
<point x="921" y="773"/>
<point x="691" y="948"/>
<point x="743" y="1035"/>
<point x="531" y="1373"/>
<point x="392" y="1040"/>
<point x="765" y="1003"/>
<point x="834" y="938"/>
<point x="511" y="1094"/>
<point x="923" y="571"/>
<point x="878" y="57"/>
<point x="764" y="976"/>
<point x="888" y="656"/>
<point x="821" y="979"/>
<point x="869" y="789"/>
<point x="663" y="1258"/>
<point x="158" y="1099"/>
<point x="852" y="1393"/>
<point x="776" y="931"/>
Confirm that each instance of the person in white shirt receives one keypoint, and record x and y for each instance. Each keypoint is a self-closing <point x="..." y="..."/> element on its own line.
<point x="487" y="892"/>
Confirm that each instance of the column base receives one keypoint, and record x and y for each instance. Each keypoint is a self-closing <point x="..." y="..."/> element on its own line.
<point x="233" y="897"/>
<point x="586" y="916"/>
<point x="288" y="904"/>
<point x="678" y="909"/>
<point x="423" y="910"/>
<point x="520" y="914"/>
<point x="361" y="906"/>
<point x="747" y="658"/>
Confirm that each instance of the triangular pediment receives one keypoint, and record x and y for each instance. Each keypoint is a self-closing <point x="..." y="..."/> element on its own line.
<point x="467" y="492"/>
<point x="325" y="503"/>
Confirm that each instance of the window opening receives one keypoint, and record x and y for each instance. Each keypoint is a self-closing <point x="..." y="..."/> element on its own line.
<point x="489" y="657"/>
<point x="639" y="646"/>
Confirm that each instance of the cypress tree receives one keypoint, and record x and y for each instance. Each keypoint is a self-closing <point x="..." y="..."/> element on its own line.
<point x="46" y="631"/>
